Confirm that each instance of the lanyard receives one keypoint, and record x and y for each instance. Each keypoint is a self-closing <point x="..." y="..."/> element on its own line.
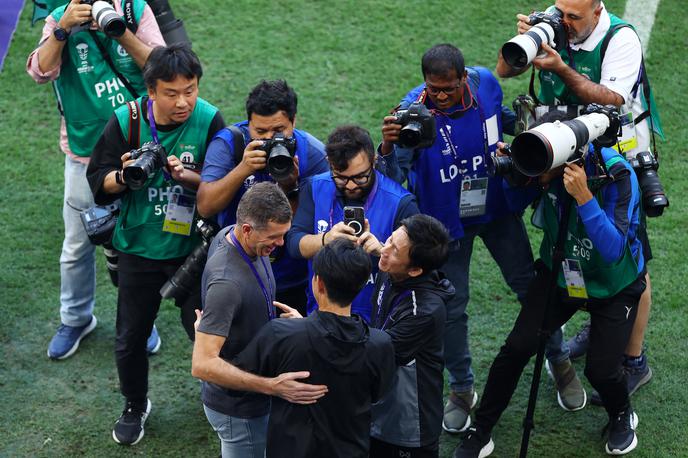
<point x="266" y="294"/>
<point x="368" y="203"/>
<point x="154" y="134"/>
<point x="403" y="295"/>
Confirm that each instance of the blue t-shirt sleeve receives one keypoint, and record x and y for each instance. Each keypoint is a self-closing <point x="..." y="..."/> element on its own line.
<point x="219" y="160"/>
<point x="608" y="227"/>
<point x="302" y="224"/>
<point x="407" y="207"/>
<point x="317" y="159"/>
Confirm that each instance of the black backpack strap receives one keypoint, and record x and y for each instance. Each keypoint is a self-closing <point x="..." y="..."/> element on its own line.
<point x="107" y="59"/>
<point x="134" y="124"/>
<point x="238" y="144"/>
<point x="129" y="17"/>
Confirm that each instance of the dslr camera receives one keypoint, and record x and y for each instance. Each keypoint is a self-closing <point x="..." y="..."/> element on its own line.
<point x="547" y="27"/>
<point x="186" y="278"/>
<point x="280" y="151"/>
<point x="645" y="166"/>
<point x="417" y="126"/>
<point x="148" y="159"/>
<point x="104" y="14"/>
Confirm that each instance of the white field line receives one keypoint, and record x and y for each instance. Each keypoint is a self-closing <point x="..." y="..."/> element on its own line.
<point x="641" y="14"/>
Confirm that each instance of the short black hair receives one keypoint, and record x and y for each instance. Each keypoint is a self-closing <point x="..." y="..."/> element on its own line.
<point x="168" y="62"/>
<point x="442" y="59"/>
<point x="270" y="97"/>
<point x="262" y="203"/>
<point x="344" y="267"/>
<point x="429" y="239"/>
<point x="345" y="143"/>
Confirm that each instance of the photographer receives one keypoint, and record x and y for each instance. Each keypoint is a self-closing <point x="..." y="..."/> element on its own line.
<point x="450" y="180"/>
<point x="603" y="272"/>
<point x="351" y="183"/>
<point x="88" y="89"/>
<point x="271" y="110"/>
<point x="602" y="62"/>
<point x="154" y="230"/>
<point x="409" y="304"/>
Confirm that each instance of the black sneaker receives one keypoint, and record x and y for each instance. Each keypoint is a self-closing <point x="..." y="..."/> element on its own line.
<point x="474" y="446"/>
<point x="621" y="428"/>
<point x="128" y="428"/>
<point x="578" y="344"/>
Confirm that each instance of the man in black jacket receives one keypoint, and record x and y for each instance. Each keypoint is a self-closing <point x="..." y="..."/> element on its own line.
<point x="356" y="363"/>
<point x="409" y="305"/>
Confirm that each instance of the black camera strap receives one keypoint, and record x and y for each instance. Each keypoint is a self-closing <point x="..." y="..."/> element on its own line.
<point x="129" y="17"/>
<point x="108" y="60"/>
<point x="134" y="135"/>
<point x="238" y="144"/>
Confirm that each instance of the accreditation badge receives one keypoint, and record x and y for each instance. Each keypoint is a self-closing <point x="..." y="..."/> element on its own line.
<point x="473" y="197"/>
<point x="179" y="214"/>
<point x="628" y="139"/>
<point x="573" y="275"/>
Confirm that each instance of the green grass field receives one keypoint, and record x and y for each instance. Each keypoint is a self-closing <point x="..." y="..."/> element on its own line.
<point x="350" y="62"/>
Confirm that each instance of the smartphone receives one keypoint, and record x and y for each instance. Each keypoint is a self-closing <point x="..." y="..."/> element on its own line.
<point x="355" y="219"/>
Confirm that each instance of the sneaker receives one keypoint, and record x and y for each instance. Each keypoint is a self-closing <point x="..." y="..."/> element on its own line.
<point x="578" y="344"/>
<point x="66" y="340"/>
<point x="474" y="446"/>
<point x="153" y="343"/>
<point x="621" y="428"/>
<point x="457" y="411"/>
<point x="636" y="376"/>
<point x="128" y="428"/>
<point x="570" y="392"/>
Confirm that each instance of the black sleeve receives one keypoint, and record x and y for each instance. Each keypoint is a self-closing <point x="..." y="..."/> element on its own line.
<point x="215" y="125"/>
<point x="105" y="158"/>
<point x="383" y="369"/>
<point x="412" y="333"/>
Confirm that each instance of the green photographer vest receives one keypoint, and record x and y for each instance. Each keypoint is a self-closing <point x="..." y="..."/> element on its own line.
<point x="553" y="91"/>
<point x="87" y="88"/>
<point x="602" y="279"/>
<point x="142" y="214"/>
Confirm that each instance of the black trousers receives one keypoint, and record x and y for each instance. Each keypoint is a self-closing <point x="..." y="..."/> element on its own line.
<point x="138" y="301"/>
<point x="379" y="449"/>
<point x="611" y="322"/>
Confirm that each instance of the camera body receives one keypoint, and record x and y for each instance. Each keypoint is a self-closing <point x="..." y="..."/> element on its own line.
<point x="148" y="159"/>
<point x="280" y="152"/>
<point x="417" y="126"/>
<point x="354" y="217"/>
<point x="504" y="166"/>
<point x="547" y="27"/>
<point x="655" y="200"/>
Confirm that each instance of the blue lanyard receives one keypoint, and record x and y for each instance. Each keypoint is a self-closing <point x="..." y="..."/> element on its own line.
<point x="154" y="134"/>
<point x="266" y="294"/>
<point x="403" y="295"/>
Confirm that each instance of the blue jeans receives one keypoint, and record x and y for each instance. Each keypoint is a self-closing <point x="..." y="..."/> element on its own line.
<point x="240" y="437"/>
<point x="507" y="241"/>
<point x="77" y="261"/>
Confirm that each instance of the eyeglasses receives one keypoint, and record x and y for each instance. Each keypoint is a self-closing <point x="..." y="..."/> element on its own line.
<point x="360" y="179"/>
<point x="448" y="91"/>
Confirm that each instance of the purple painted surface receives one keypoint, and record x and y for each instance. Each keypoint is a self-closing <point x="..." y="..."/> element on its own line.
<point x="9" y="16"/>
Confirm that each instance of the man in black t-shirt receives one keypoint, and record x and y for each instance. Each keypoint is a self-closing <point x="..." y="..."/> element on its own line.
<point x="340" y="351"/>
<point x="238" y="292"/>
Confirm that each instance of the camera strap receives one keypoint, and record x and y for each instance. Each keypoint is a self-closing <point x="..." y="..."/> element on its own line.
<point x="238" y="144"/>
<point x="134" y="135"/>
<point x="108" y="60"/>
<point x="129" y="17"/>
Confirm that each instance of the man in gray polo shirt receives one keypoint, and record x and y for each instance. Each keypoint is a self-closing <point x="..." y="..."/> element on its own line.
<point x="238" y="293"/>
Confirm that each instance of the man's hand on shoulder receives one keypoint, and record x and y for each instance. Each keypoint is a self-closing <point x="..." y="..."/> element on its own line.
<point x="287" y="387"/>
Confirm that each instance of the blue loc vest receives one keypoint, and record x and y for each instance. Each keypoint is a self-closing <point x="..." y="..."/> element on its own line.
<point x="289" y="272"/>
<point x="458" y="152"/>
<point x="380" y="210"/>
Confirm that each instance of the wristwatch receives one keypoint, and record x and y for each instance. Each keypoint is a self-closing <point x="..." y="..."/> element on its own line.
<point x="60" y="33"/>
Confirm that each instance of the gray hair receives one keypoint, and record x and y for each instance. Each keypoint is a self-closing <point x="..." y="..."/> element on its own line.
<point x="263" y="203"/>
